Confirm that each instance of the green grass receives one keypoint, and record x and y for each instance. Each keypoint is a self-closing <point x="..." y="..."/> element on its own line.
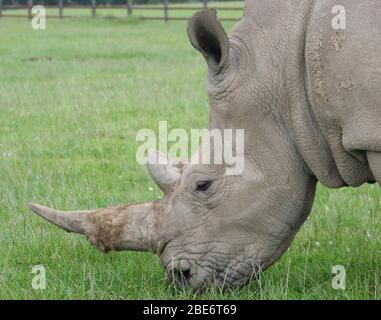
<point x="72" y="99"/>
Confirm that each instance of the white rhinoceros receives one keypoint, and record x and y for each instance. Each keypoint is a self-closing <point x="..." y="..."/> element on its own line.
<point x="306" y="88"/>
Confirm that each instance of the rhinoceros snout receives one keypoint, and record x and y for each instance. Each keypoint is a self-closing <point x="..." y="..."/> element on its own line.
<point x="183" y="275"/>
<point x="180" y="273"/>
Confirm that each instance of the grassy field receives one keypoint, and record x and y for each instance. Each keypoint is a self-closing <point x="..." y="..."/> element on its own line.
<point x="72" y="99"/>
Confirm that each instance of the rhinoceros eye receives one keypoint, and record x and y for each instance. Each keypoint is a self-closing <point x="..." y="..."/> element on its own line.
<point x="203" y="185"/>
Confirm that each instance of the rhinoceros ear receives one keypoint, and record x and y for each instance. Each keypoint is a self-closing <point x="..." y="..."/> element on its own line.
<point x="163" y="169"/>
<point x="208" y="36"/>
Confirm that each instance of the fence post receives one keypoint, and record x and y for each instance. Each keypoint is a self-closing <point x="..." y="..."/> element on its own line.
<point x="93" y="8"/>
<point x="60" y="3"/>
<point x="166" y="11"/>
<point x="30" y="6"/>
<point x="129" y="8"/>
<point x="1" y="7"/>
<point x="205" y="3"/>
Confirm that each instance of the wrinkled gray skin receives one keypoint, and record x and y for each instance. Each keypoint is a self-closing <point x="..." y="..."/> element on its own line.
<point x="308" y="97"/>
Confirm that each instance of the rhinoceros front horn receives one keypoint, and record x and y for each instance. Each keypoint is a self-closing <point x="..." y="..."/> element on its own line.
<point x="71" y="221"/>
<point x="126" y="227"/>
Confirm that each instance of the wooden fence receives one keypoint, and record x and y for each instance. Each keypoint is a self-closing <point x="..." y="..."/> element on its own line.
<point x="129" y="7"/>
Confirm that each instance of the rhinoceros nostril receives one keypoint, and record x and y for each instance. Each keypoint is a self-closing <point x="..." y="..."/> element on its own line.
<point x="186" y="274"/>
<point x="182" y="273"/>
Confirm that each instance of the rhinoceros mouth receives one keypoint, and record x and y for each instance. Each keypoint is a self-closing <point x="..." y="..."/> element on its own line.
<point x="197" y="272"/>
<point x="188" y="274"/>
<point x="200" y="277"/>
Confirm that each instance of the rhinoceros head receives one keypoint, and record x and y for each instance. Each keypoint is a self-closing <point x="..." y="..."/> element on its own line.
<point x="210" y="227"/>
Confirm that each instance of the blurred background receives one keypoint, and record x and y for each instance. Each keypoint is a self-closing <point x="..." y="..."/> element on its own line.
<point x="145" y="9"/>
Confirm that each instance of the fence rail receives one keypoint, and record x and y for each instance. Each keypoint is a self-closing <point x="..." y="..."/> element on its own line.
<point x="129" y="7"/>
